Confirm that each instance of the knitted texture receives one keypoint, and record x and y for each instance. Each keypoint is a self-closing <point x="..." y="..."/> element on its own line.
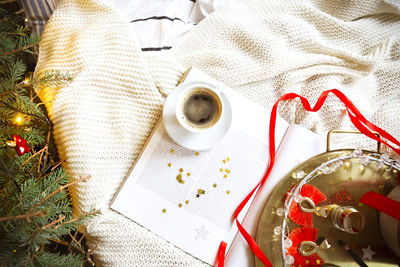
<point x="261" y="49"/>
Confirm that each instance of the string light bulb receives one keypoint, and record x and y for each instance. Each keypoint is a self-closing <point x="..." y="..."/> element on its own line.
<point x="26" y="80"/>
<point x="19" y="120"/>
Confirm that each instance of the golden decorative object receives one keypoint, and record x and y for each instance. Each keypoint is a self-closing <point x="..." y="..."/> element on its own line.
<point x="343" y="176"/>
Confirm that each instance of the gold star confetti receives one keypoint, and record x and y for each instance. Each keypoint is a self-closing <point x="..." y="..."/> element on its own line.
<point x="200" y="191"/>
<point x="225" y="176"/>
<point x="180" y="170"/>
<point x="228" y="192"/>
<point x="221" y="170"/>
<point x="188" y="174"/>
<point x="214" y="185"/>
<point x="228" y="159"/>
<point x="169" y="164"/>
<point x="227" y="171"/>
<point x="197" y="153"/>
<point x="318" y="261"/>
<point x="187" y="202"/>
<point x="350" y="178"/>
<point x="360" y="204"/>
<point x="180" y="205"/>
<point x="164" y="210"/>
<point x="179" y="179"/>
<point x="172" y="151"/>
<point x="307" y="261"/>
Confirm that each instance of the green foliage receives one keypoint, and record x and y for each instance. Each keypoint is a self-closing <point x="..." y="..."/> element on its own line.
<point x="35" y="209"/>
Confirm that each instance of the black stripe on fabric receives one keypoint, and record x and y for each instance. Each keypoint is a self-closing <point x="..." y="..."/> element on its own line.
<point x="159" y="18"/>
<point x="156" y="48"/>
<point x="194" y="1"/>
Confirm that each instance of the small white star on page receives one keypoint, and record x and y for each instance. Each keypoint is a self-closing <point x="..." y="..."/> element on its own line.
<point x="368" y="252"/>
<point x="202" y="233"/>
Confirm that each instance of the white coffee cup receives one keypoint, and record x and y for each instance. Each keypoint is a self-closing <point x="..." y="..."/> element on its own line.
<point x="199" y="107"/>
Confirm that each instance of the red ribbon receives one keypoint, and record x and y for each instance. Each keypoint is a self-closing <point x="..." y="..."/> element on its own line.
<point x="377" y="201"/>
<point x="358" y="120"/>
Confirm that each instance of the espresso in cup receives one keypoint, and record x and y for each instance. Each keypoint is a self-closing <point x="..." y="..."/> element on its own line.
<point x="199" y="109"/>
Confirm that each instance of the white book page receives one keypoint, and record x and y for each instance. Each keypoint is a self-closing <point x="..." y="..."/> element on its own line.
<point x="298" y="145"/>
<point x="189" y="197"/>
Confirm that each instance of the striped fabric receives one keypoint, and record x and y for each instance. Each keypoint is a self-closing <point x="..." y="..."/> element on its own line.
<point x="158" y="24"/>
<point x="37" y="13"/>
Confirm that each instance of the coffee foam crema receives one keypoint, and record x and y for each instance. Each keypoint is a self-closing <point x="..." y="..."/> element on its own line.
<point x="200" y="108"/>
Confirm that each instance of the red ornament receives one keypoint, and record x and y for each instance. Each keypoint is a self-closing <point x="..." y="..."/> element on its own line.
<point x="20" y="145"/>
<point x="297" y="236"/>
<point x="296" y="214"/>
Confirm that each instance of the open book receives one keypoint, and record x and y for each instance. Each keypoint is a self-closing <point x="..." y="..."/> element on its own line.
<point x="189" y="197"/>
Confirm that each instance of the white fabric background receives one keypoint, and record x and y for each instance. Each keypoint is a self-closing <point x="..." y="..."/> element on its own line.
<point x="262" y="49"/>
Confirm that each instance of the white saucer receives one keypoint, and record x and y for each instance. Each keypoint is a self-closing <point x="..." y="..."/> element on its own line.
<point x="200" y="140"/>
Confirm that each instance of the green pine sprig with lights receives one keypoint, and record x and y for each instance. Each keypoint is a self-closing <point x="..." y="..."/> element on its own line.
<point x="37" y="227"/>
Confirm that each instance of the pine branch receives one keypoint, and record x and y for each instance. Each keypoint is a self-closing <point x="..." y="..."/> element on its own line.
<point x="18" y="50"/>
<point x="60" y="219"/>
<point x="7" y="2"/>
<point x="59" y="190"/>
<point x="26" y="216"/>
<point x="43" y="119"/>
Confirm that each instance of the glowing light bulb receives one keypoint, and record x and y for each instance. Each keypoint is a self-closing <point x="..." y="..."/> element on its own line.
<point x="26" y="80"/>
<point x="18" y="119"/>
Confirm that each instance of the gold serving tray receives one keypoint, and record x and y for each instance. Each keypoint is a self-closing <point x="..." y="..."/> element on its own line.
<point x="355" y="179"/>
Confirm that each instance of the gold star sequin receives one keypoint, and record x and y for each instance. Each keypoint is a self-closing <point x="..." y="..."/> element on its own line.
<point x="228" y="159"/>
<point x="172" y="151"/>
<point x="214" y="185"/>
<point x="318" y="261"/>
<point x="188" y="174"/>
<point x="169" y="164"/>
<point x="307" y="261"/>
<point x="164" y="210"/>
<point x="200" y="191"/>
<point x="180" y="170"/>
<point x="227" y="171"/>
<point x="187" y="202"/>
<point x="179" y="179"/>
<point x="221" y="170"/>
<point x="197" y="153"/>
<point x="350" y="178"/>
<point x="223" y="161"/>
<point x="360" y="204"/>
<point x="225" y="176"/>
<point x="180" y="205"/>
<point x="228" y="192"/>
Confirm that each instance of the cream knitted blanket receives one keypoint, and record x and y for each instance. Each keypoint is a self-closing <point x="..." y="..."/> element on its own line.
<point x="262" y="49"/>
